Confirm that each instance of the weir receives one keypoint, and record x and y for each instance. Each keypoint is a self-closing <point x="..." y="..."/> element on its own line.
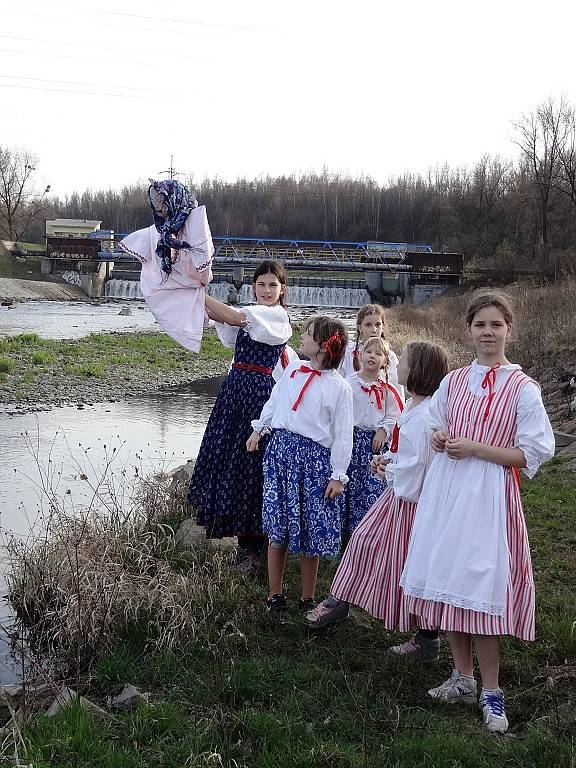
<point x="322" y="273"/>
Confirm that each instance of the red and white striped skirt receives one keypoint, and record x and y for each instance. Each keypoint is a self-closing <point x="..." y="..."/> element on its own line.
<point x="369" y="573"/>
<point x="518" y="619"/>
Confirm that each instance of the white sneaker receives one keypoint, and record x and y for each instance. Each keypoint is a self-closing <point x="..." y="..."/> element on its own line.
<point x="493" y="712"/>
<point x="456" y="690"/>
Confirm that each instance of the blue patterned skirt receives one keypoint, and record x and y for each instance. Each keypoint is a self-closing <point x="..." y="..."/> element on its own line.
<point x="295" y="513"/>
<point x="363" y="486"/>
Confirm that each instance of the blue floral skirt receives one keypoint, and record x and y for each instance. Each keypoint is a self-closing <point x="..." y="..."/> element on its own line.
<point x="295" y="513"/>
<point x="363" y="486"/>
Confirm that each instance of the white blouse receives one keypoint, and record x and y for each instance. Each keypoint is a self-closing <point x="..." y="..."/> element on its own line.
<point x="176" y="300"/>
<point x="347" y="365"/>
<point x="324" y="413"/>
<point x="367" y="415"/>
<point x="409" y="465"/>
<point x="534" y="434"/>
<point x="268" y="325"/>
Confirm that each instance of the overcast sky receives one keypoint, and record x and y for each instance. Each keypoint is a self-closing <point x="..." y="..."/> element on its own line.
<point x="104" y="91"/>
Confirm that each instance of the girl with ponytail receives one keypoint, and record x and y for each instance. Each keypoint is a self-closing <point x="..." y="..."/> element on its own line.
<point x="370" y="321"/>
<point x="306" y="461"/>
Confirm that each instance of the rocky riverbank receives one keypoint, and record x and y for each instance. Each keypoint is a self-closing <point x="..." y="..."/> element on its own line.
<point x="12" y="289"/>
<point x="37" y="373"/>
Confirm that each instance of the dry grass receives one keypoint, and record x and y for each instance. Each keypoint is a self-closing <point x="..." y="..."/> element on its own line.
<point x="79" y="586"/>
<point x="542" y="338"/>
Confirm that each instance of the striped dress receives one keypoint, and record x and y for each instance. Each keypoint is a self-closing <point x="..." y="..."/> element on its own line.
<point x="369" y="573"/>
<point x="468" y="567"/>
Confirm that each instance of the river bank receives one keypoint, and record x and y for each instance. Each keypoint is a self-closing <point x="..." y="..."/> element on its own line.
<point x="38" y="373"/>
<point x="234" y="690"/>
<point x="20" y="289"/>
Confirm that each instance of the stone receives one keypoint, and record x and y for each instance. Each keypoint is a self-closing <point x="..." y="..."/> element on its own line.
<point x="129" y="698"/>
<point x="66" y="697"/>
<point x="125" y="311"/>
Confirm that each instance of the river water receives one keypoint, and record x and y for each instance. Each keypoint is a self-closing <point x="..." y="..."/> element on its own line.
<point x="49" y="452"/>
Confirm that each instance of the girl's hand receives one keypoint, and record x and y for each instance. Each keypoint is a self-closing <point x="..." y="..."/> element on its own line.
<point x="378" y="466"/>
<point x="252" y="442"/>
<point x="333" y="489"/>
<point x="439" y="438"/>
<point x="460" y="447"/>
<point x="379" y="440"/>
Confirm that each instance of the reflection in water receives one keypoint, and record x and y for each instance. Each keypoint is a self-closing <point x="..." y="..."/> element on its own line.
<point x="66" y="452"/>
<point x="142" y="436"/>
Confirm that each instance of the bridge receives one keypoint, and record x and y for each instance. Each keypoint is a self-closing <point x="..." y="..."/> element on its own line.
<point x="389" y="270"/>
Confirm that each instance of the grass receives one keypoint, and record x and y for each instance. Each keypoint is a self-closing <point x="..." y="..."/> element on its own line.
<point x="23" y="268"/>
<point x="28" y="359"/>
<point x="243" y="693"/>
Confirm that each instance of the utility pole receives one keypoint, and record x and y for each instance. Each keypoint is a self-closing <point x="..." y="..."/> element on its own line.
<point x="171" y="171"/>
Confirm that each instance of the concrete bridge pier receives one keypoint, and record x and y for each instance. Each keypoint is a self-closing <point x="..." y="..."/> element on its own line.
<point x="386" y="287"/>
<point x="92" y="283"/>
<point x="238" y="277"/>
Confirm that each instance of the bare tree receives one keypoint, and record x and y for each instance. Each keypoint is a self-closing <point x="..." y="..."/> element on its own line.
<point x="542" y="137"/>
<point x="20" y="204"/>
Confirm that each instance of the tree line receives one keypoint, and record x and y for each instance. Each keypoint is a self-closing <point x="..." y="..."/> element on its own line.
<point x="503" y="213"/>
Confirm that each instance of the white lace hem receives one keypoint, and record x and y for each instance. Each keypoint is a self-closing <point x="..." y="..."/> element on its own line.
<point x="458" y="601"/>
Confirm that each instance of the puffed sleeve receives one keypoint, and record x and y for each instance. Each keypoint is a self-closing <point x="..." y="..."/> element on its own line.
<point x="406" y="476"/>
<point x="268" y="325"/>
<point x="438" y="418"/>
<point x="265" y="419"/>
<point x="279" y="369"/>
<point x="138" y="245"/>
<point x="227" y="334"/>
<point x="391" y="411"/>
<point x="196" y="232"/>
<point x="346" y="367"/>
<point x="534" y="435"/>
<point x="392" y="369"/>
<point x="341" y="451"/>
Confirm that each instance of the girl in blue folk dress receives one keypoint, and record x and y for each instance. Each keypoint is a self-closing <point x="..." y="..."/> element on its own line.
<point x="305" y="463"/>
<point x="226" y="487"/>
<point x="377" y="407"/>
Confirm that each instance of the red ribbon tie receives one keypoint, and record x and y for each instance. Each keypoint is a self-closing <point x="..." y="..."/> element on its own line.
<point x="489" y="381"/>
<point x="312" y="372"/>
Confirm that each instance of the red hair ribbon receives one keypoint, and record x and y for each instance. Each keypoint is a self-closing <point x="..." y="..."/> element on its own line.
<point x="329" y="345"/>
<point x="312" y="372"/>
<point x="284" y="358"/>
<point x="395" y="437"/>
<point x="488" y="381"/>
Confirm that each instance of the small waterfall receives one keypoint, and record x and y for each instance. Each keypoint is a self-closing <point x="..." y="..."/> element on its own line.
<point x="220" y="291"/>
<point x="123" y="289"/>
<point x="71" y="277"/>
<point x="316" y="296"/>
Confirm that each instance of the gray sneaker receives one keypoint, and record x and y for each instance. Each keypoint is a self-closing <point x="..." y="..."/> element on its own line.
<point x="426" y="650"/>
<point x="456" y="690"/>
<point x="329" y="611"/>
<point x="493" y="713"/>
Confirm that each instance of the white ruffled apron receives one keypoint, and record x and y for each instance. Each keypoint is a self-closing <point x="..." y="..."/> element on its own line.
<point x="458" y="552"/>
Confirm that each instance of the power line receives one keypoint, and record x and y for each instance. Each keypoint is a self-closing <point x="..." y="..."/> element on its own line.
<point x="87" y="93"/>
<point x="53" y="55"/>
<point x="88" y="45"/>
<point x="191" y="22"/>
<point x="152" y="91"/>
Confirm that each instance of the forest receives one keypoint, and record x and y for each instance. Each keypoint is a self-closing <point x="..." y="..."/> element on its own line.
<point x="499" y="212"/>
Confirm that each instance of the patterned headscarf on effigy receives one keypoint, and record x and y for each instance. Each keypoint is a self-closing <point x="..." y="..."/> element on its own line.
<point x="171" y="204"/>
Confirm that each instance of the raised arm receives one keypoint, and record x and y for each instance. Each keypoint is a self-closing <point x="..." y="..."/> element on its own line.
<point x="222" y="313"/>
